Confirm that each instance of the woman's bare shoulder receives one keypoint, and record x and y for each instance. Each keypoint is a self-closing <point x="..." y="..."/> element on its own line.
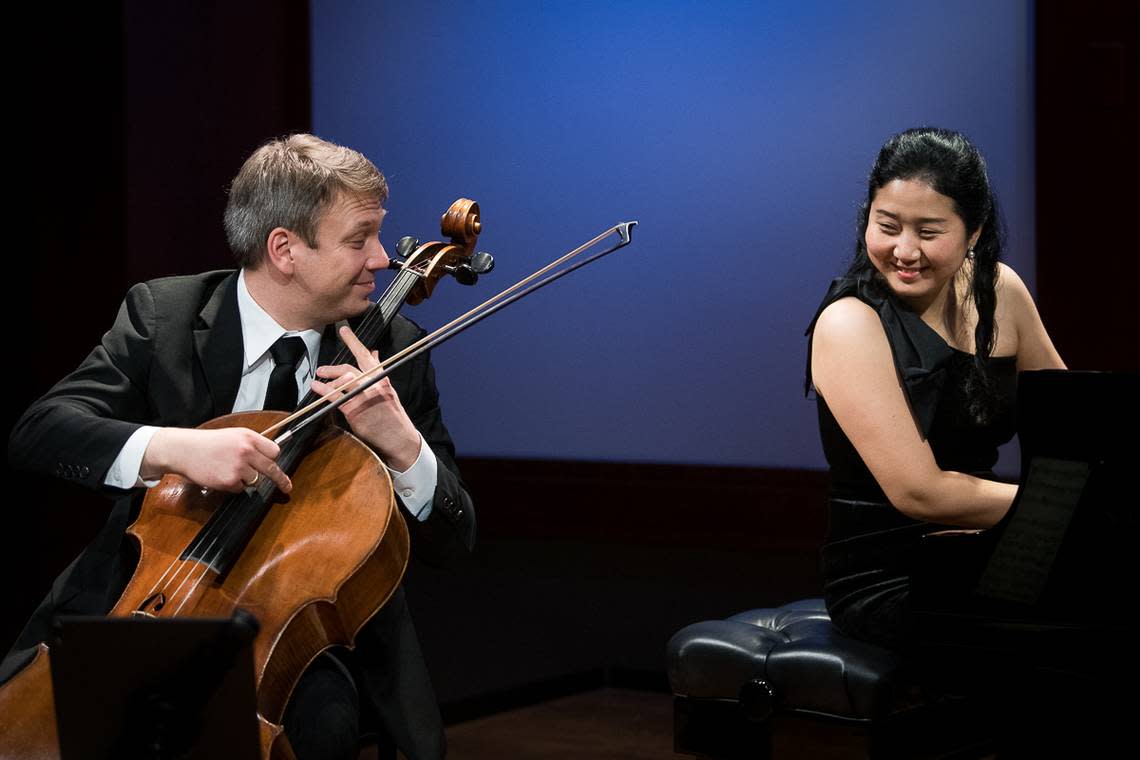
<point x="846" y="319"/>
<point x="849" y="340"/>
<point x="1015" y="305"/>
<point x="1010" y="287"/>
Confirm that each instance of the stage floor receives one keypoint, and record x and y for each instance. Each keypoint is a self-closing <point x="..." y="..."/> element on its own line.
<point x="606" y="723"/>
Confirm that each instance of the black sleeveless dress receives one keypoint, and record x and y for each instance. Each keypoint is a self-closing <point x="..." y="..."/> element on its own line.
<point x="870" y="546"/>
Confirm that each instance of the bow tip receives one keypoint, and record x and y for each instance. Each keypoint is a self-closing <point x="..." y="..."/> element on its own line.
<point x="624" y="229"/>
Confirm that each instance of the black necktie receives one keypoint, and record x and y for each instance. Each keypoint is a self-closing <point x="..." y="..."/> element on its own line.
<point x="281" y="395"/>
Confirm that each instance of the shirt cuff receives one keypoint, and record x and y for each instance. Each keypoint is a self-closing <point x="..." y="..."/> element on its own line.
<point x="416" y="485"/>
<point x="124" y="471"/>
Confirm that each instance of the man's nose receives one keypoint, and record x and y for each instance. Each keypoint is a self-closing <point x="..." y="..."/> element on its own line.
<point x="377" y="258"/>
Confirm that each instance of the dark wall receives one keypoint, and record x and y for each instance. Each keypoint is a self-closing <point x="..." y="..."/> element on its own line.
<point x="133" y="118"/>
<point x="68" y="171"/>
<point x="205" y="84"/>
<point x="1087" y="175"/>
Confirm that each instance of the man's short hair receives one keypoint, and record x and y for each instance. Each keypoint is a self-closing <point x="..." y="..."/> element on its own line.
<point x="289" y="182"/>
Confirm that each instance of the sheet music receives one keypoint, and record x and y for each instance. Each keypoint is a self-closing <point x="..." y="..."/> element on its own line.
<point x="1019" y="567"/>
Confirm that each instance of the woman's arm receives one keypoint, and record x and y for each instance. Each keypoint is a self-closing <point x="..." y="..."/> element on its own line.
<point x="853" y="370"/>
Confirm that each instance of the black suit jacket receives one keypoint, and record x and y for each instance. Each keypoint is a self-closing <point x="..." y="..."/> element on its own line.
<point x="173" y="358"/>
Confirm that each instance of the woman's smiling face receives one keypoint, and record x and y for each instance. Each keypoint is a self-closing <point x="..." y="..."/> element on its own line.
<point x="917" y="241"/>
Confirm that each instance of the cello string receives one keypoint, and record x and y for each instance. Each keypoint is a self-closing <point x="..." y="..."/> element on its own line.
<point x="176" y="594"/>
<point x="160" y="584"/>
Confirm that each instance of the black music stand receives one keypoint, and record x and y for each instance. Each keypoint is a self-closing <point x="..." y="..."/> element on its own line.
<point x="155" y="689"/>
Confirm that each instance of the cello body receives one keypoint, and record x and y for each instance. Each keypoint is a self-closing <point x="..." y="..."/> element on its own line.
<point x="319" y="565"/>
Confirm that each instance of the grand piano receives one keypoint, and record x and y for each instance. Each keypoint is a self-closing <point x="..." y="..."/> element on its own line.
<point x="1035" y="613"/>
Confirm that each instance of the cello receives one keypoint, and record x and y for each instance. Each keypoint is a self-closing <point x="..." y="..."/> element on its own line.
<point x="207" y="554"/>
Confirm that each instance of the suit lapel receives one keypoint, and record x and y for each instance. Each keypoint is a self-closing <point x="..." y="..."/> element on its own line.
<point x="218" y="343"/>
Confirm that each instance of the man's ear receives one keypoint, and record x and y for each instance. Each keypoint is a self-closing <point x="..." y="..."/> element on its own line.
<point x="278" y="250"/>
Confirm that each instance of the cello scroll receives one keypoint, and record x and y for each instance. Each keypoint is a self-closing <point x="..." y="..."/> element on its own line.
<point x="431" y="261"/>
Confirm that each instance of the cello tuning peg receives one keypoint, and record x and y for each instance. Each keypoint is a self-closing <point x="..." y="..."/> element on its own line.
<point x="463" y="274"/>
<point x="406" y="245"/>
<point x="482" y="262"/>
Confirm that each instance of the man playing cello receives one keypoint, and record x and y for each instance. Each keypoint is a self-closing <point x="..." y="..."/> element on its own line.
<point x="303" y="219"/>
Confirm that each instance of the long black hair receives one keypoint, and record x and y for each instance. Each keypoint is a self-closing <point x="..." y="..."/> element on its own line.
<point x="952" y="166"/>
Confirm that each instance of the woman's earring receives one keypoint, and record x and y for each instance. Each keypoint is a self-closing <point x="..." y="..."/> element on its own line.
<point x="969" y="254"/>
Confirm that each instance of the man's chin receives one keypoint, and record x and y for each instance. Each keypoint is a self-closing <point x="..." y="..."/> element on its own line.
<point x="354" y="308"/>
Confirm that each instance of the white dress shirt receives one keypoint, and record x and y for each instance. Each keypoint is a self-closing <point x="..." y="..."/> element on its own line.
<point x="415" y="486"/>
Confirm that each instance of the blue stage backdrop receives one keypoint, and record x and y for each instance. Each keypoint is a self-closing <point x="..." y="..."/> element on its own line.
<point x="738" y="134"/>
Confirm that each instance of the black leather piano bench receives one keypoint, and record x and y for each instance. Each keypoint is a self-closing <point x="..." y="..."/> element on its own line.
<point x="784" y="683"/>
